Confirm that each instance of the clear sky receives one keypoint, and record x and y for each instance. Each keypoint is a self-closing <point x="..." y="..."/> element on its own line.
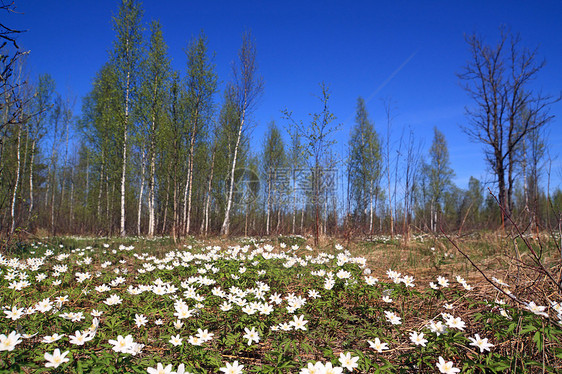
<point x="408" y="51"/>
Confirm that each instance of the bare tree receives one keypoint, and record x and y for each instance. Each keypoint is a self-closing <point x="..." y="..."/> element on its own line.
<point x="497" y="78"/>
<point x="317" y="141"/>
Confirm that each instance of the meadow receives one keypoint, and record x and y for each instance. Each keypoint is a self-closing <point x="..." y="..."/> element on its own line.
<point x="98" y="305"/>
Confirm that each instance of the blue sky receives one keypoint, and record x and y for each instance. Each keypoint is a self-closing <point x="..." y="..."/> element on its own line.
<point x="406" y="51"/>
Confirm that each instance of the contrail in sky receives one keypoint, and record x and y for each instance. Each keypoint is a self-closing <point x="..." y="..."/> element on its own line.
<point x="387" y="80"/>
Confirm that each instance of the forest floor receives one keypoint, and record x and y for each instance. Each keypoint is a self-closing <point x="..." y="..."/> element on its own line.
<point x="501" y="298"/>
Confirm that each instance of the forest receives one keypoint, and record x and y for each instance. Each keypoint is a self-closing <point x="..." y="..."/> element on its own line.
<point x="148" y="227"/>
<point x="157" y="152"/>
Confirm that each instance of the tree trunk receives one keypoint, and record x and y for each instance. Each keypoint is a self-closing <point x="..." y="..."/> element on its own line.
<point x="53" y="192"/>
<point x="164" y="219"/>
<point x="190" y="174"/>
<point x="175" y="212"/>
<point x="101" y="186"/>
<point x="71" y="211"/>
<point x="294" y="205"/>
<point x="268" y="204"/>
<point x="31" y="161"/>
<point x="205" y="229"/>
<point x="16" y="185"/>
<point x="371" y="209"/>
<point x="500" y="172"/>
<point x="151" y="183"/>
<point x="225" y="229"/>
<point x="139" y="209"/>
<point x="124" y="169"/>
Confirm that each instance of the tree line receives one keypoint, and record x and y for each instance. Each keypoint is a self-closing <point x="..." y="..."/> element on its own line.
<point x="163" y="152"/>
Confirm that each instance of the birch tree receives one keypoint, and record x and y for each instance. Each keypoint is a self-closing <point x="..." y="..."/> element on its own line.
<point x="246" y="88"/>
<point x="42" y="103"/>
<point x="201" y="83"/>
<point x="274" y="161"/>
<point x="439" y="175"/>
<point x="365" y="164"/>
<point x="153" y="98"/>
<point x="126" y="56"/>
<point x="317" y="141"/>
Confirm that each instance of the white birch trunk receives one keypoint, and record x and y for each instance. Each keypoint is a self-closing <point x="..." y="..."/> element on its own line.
<point x="268" y="204"/>
<point x="371" y="210"/>
<point x="190" y="182"/>
<point x="124" y="169"/>
<point x="225" y="229"/>
<point x="208" y="199"/>
<point x="139" y="209"/>
<point x="151" y="207"/>
<point x="31" y="161"/>
<point x="16" y="185"/>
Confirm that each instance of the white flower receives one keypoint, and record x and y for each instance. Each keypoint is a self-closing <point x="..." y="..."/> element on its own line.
<point x="113" y="300"/>
<point x="538" y="310"/>
<point x="438" y="327"/>
<point x="392" y="318"/>
<point x="8" y="343"/>
<point x="481" y="343"/>
<point x="348" y="362"/>
<point x="233" y="368"/>
<point x="51" y="338"/>
<point x="299" y="323"/>
<point x="122" y="344"/>
<point x="446" y="367"/>
<point x="328" y="369"/>
<point x="15" y="313"/>
<point x="252" y="335"/>
<point x="160" y="369"/>
<point x="316" y="368"/>
<point x="55" y="359"/>
<point x="96" y="313"/>
<point x="79" y="338"/>
<point x="226" y="306"/>
<point x="456" y="323"/>
<point x="175" y="340"/>
<point x="377" y="345"/>
<point x="443" y="282"/>
<point x="418" y="339"/>
<point x="204" y="335"/>
<point x="140" y="320"/>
